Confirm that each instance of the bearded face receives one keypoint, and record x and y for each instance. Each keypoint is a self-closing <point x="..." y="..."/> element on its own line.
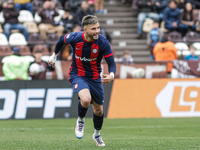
<point x="92" y="31"/>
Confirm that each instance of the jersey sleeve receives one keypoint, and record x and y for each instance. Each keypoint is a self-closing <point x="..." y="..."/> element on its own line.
<point x="108" y="55"/>
<point x="64" y="40"/>
<point x="69" y="38"/>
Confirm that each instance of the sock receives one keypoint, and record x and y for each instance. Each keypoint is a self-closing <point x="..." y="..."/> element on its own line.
<point x="81" y="110"/>
<point x="98" y="122"/>
<point x="96" y="132"/>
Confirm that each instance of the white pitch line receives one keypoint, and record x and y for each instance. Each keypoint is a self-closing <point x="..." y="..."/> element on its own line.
<point x="71" y="128"/>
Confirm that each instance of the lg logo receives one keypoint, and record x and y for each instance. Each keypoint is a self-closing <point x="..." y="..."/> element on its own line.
<point x="179" y="99"/>
<point x="34" y="98"/>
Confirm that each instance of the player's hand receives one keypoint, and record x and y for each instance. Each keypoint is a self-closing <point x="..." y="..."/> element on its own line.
<point x="106" y="78"/>
<point x="52" y="60"/>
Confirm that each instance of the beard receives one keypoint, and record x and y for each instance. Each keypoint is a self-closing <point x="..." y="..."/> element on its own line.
<point x="92" y="36"/>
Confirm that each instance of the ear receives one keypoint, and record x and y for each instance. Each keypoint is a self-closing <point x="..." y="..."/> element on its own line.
<point x="84" y="28"/>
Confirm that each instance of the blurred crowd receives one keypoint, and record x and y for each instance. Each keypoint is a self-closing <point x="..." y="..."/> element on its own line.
<point x="41" y="23"/>
<point x="168" y="22"/>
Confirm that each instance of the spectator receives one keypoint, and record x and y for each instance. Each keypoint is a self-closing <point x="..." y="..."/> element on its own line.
<point x="99" y="6"/>
<point x="43" y="66"/>
<point x="154" y="36"/>
<point x="74" y="5"/>
<point x="47" y="13"/>
<point x="196" y="3"/>
<point x="187" y="18"/>
<point x="172" y="17"/>
<point x="11" y="22"/>
<point x="145" y="11"/>
<point x="181" y="4"/>
<point x="77" y="28"/>
<point x="15" y="67"/>
<point x="160" y="7"/>
<point x="192" y="56"/>
<point x="3" y="5"/>
<point x="23" y="4"/>
<point x="83" y="11"/>
<point x="66" y="21"/>
<point x="126" y="58"/>
<point x="165" y="50"/>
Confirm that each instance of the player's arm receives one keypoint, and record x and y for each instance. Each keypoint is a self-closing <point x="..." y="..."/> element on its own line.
<point x="61" y="42"/>
<point x="108" y="55"/>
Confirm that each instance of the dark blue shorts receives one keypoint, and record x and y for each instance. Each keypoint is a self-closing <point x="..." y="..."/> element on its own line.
<point x="95" y="88"/>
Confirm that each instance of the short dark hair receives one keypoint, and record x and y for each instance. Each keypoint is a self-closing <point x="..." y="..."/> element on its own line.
<point x="89" y="19"/>
<point x="174" y="2"/>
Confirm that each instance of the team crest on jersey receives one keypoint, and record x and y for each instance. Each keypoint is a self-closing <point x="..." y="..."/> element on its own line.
<point x="76" y="86"/>
<point x="94" y="51"/>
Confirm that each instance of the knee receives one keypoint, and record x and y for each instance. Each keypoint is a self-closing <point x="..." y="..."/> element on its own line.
<point x="85" y="101"/>
<point x="98" y="112"/>
<point x="6" y="27"/>
<point x="60" y="28"/>
<point x="42" y="27"/>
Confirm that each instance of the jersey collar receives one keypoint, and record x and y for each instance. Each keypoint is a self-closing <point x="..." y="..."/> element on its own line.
<point x="85" y="39"/>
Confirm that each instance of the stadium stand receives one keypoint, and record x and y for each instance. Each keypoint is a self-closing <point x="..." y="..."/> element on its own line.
<point x="175" y="36"/>
<point x="24" y="16"/>
<point x="5" y="51"/>
<point x="52" y="39"/>
<point x="32" y="27"/>
<point x="35" y="38"/>
<point x="24" y="50"/>
<point x="3" y="39"/>
<point x="44" y="49"/>
<point x="16" y="39"/>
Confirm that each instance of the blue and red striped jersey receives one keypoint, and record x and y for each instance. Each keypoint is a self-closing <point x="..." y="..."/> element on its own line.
<point x="87" y="56"/>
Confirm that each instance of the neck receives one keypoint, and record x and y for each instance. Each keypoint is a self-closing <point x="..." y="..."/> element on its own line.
<point x="38" y="60"/>
<point x="87" y="38"/>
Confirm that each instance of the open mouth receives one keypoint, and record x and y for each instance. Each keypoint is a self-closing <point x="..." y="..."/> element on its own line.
<point x="96" y="35"/>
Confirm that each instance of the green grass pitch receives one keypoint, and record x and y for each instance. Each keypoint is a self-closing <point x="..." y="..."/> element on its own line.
<point x="123" y="134"/>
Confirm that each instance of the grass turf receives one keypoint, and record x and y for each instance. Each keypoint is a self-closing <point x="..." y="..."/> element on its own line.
<point x="142" y="134"/>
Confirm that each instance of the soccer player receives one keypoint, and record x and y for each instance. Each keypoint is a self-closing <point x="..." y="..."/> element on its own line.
<point x="89" y="47"/>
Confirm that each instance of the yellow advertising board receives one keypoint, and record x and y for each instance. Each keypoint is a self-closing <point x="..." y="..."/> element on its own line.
<point x="145" y="98"/>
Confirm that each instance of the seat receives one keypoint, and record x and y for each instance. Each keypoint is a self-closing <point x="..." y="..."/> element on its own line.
<point x="3" y="39"/>
<point x="37" y="18"/>
<point x="61" y="13"/>
<point x="24" y="50"/>
<point x="58" y="5"/>
<point x="44" y="49"/>
<point x="5" y="51"/>
<point x="2" y="20"/>
<point x="16" y="39"/>
<point x="52" y="38"/>
<point x="162" y="27"/>
<point x="196" y="45"/>
<point x="147" y="25"/>
<point x="37" y="5"/>
<point x="192" y="37"/>
<point x="32" y="27"/>
<point x="35" y="38"/>
<point x="175" y="36"/>
<point x="24" y="16"/>
<point x="1" y="29"/>
<point x="181" y="47"/>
